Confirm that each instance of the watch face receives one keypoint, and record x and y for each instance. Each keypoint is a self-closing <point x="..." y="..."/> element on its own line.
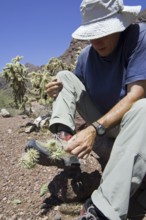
<point x="100" y="130"/>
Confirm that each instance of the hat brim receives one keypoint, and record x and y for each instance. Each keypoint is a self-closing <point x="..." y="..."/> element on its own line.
<point x="116" y="23"/>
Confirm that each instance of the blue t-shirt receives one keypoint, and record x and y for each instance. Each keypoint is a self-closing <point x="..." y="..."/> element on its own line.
<point x="106" y="78"/>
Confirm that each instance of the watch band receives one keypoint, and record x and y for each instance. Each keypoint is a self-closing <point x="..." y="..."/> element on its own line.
<point x="95" y="124"/>
<point x="100" y="129"/>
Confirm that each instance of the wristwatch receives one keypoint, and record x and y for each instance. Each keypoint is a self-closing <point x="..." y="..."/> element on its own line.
<point x="100" y="129"/>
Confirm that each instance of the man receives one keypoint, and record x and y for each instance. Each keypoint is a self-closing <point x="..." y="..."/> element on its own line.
<point x="108" y="89"/>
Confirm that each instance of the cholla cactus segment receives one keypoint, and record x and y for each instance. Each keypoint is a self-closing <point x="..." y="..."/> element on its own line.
<point x="55" y="149"/>
<point x="58" y="154"/>
<point x="53" y="145"/>
<point x="44" y="189"/>
<point x="70" y="209"/>
<point x="30" y="158"/>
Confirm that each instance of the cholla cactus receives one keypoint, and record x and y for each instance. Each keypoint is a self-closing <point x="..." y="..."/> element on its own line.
<point x="15" y="73"/>
<point x="30" y="158"/>
<point x="38" y="81"/>
<point x="55" y="65"/>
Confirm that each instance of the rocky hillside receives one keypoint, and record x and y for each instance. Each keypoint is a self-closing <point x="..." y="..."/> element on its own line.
<point x="69" y="55"/>
<point x="32" y="67"/>
<point x="142" y="16"/>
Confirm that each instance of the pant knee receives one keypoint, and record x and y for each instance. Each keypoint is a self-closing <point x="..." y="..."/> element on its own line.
<point x="140" y="106"/>
<point x="136" y="113"/>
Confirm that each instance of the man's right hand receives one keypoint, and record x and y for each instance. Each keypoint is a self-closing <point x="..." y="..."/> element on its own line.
<point x="53" y="88"/>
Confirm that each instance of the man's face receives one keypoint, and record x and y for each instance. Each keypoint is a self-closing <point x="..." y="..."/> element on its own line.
<point x="105" y="45"/>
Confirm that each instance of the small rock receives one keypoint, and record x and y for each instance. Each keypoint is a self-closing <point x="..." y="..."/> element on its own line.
<point x="14" y="217"/>
<point x="30" y="128"/>
<point x="56" y="208"/>
<point x="5" y="113"/>
<point x="57" y="216"/>
<point x="9" y="131"/>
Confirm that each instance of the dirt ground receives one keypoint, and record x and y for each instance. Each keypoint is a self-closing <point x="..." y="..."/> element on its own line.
<point x="19" y="187"/>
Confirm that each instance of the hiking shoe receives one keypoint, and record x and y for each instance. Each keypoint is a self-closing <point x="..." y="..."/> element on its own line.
<point x="90" y="212"/>
<point x="52" y="152"/>
<point x="65" y="136"/>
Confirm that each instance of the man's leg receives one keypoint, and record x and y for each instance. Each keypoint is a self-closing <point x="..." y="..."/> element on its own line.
<point x="126" y="167"/>
<point x="73" y="96"/>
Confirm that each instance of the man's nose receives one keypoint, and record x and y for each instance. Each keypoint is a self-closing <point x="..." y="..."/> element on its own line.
<point x="97" y="41"/>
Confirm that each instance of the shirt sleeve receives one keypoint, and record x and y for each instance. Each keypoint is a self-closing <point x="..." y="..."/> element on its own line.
<point x="136" y="68"/>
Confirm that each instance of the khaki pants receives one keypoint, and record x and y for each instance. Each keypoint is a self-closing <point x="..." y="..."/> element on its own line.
<point x="126" y="167"/>
<point x="74" y="97"/>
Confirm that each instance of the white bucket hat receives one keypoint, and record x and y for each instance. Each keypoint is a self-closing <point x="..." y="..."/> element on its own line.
<point x="104" y="17"/>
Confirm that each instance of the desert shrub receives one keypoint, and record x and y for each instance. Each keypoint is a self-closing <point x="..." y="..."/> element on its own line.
<point x="6" y="98"/>
<point x="18" y="78"/>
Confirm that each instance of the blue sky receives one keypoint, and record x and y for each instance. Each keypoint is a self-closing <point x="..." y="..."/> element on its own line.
<point x="39" y="29"/>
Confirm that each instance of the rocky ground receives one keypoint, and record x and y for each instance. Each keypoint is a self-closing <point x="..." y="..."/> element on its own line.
<point x="20" y="197"/>
<point x="20" y="188"/>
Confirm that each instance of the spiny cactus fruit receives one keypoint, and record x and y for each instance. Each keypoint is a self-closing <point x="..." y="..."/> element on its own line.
<point x="30" y="158"/>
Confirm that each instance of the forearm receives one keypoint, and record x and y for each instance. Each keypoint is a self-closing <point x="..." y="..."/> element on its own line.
<point x="82" y="143"/>
<point x="136" y="91"/>
<point x="114" y="116"/>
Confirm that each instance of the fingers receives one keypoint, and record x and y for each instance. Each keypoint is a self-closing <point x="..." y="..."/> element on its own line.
<point x="77" y="148"/>
<point x="84" y="156"/>
<point x="81" y="152"/>
<point x="54" y="87"/>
